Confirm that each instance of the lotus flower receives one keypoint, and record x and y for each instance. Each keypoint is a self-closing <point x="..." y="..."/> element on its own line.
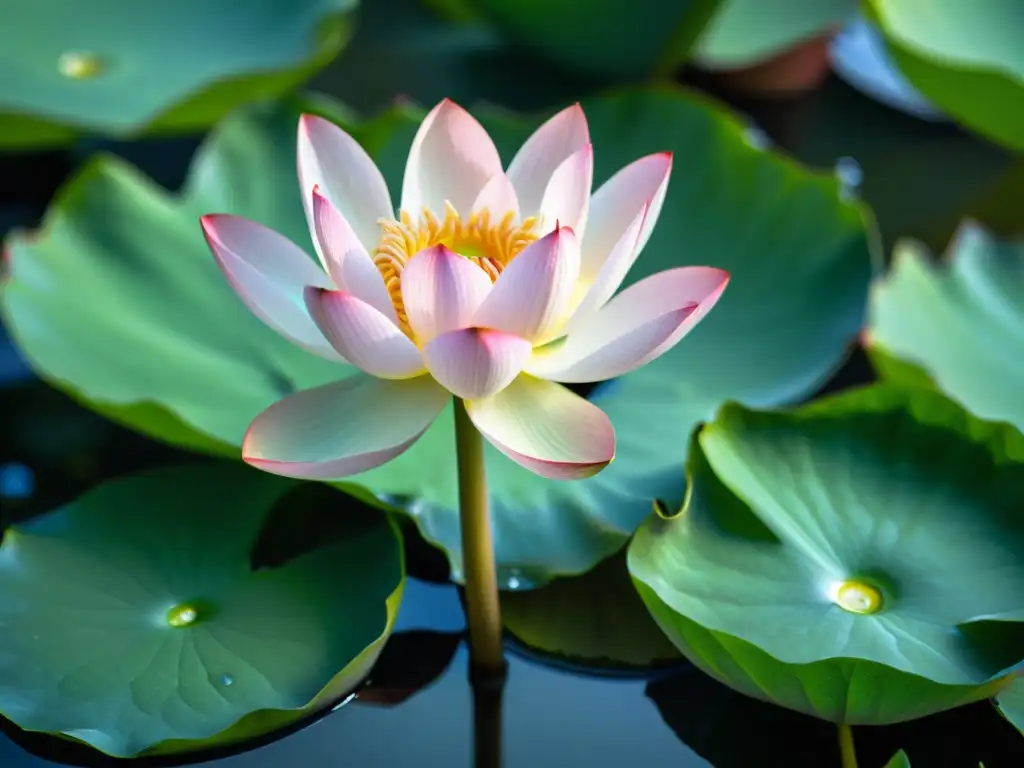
<point x="490" y="285"/>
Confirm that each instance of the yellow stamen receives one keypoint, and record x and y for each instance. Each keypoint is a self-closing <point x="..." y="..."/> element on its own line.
<point x="491" y="245"/>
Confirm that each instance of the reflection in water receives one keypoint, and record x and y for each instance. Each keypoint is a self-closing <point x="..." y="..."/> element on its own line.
<point x="488" y="697"/>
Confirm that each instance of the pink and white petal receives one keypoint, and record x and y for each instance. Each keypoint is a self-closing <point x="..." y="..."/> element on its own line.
<point x="567" y="197"/>
<point x="545" y="150"/>
<point x="476" y="362"/>
<point x="364" y="336"/>
<point x="332" y="161"/>
<point x="348" y="263"/>
<point x="269" y="273"/>
<point x="531" y="296"/>
<point x="637" y="326"/>
<point x="343" y="428"/>
<point x="441" y="291"/>
<point x="498" y="197"/>
<point x="546" y="428"/>
<point x="614" y="206"/>
<point x="609" y="277"/>
<point x="451" y="158"/>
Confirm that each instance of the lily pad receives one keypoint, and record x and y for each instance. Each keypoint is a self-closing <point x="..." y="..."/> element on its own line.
<point x="899" y="760"/>
<point x="594" y="623"/>
<point x="730" y="730"/>
<point x="746" y="32"/>
<point x="959" y="322"/>
<point x="605" y="38"/>
<point x="858" y="55"/>
<point x="965" y="58"/>
<point x="120" y="67"/>
<point x="860" y="559"/>
<point x="134" y="622"/>
<point x="1010" y="703"/>
<point x="118" y="300"/>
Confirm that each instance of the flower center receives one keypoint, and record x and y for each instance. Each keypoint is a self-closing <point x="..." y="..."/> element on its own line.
<point x="857" y="597"/>
<point x="489" y="243"/>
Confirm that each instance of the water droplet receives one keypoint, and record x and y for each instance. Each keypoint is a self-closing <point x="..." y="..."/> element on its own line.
<point x="183" y="615"/>
<point x="80" y="66"/>
<point x="17" y="481"/>
<point x="857" y="597"/>
<point x="225" y="680"/>
<point x="850" y="176"/>
<point x="756" y="137"/>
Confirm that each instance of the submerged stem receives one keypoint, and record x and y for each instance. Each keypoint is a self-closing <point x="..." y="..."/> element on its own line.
<point x="479" y="572"/>
<point x="846" y="748"/>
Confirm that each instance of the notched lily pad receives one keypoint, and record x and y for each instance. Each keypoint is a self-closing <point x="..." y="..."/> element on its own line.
<point x="960" y="322"/>
<point x="133" y="620"/>
<point x="120" y="67"/>
<point x="860" y="559"/>
<point x="593" y="622"/>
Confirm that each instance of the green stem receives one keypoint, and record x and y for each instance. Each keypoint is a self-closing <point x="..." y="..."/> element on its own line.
<point x="846" y="749"/>
<point x="479" y="572"/>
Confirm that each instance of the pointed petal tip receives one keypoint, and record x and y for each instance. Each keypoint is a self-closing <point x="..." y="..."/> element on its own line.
<point x="211" y="221"/>
<point x="308" y="121"/>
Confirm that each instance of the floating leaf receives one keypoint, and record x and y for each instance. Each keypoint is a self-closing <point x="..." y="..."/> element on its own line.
<point x="160" y="343"/>
<point x="133" y="619"/>
<point x="594" y="622"/>
<point x="966" y="58"/>
<point x="607" y="38"/>
<point x="860" y="559"/>
<point x="1010" y="703"/>
<point x="959" y="322"/>
<point x="746" y="32"/>
<point x="731" y="730"/>
<point x="119" y="67"/>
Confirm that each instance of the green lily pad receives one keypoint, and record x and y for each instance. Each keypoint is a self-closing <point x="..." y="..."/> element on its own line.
<point x="594" y="622"/>
<point x="413" y="51"/>
<point x="120" y="67"/>
<point x="605" y="38"/>
<point x="965" y="58"/>
<point x="730" y="730"/>
<point x="958" y="322"/>
<point x="118" y="300"/>
<point x="134" y="622"/>
<point x="899" y="760"/>
<point x="858" y="559"/>
<point x="1010" y="704"/>
<point x="745" y="32"/>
